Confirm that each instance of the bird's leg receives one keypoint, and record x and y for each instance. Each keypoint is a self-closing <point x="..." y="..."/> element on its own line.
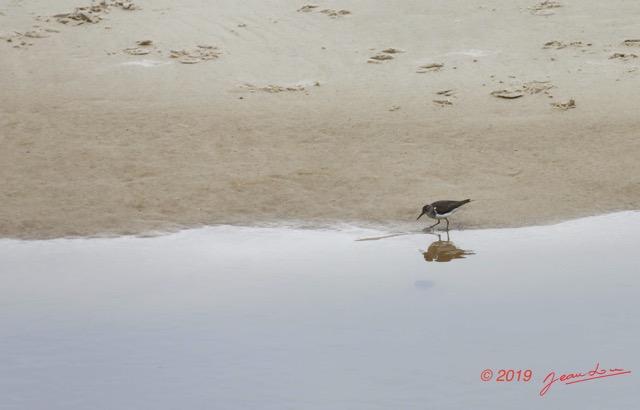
<point x="429" y="227"/>
<point x="447" y="224"/>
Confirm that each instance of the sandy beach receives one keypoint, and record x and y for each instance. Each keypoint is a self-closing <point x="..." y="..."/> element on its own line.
<point x="121" y="117"/>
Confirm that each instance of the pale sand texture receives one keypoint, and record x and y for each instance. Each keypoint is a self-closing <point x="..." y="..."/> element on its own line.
<point x="291" y="122"/>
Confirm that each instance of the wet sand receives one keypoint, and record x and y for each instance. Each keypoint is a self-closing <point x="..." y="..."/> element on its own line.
<point x="160" y="116"/>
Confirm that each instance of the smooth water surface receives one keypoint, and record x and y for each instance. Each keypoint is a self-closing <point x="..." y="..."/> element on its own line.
<point x="275" y="318"/>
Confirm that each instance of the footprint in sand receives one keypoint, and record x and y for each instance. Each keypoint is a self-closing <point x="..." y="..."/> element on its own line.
<point x="202" y="53"/>
<point x="623" y="56"/>
<point x="17" y="39"/>
<point x="276" y="88"/>
<point x="22" y="40"/>
<point x="136" y="51"/>
<point x="507" y="94"/>
<point x="535" y="87"/>
<point x="35" y="34"/>
<point x="633" y="42"/>
<point x="393" y="50"/>
<point x="429" y="68"/>
<point x="559" y="44"/>
<point x="139" y="51"/>
<point x="377" y="58"/>
<point x="123" y="4"/>
<point x="565" y="105"/>
<point x="308" y="8"/>
<point x="540" y="9"/>
<point x="446" y="93"/>
<point x="385" y="54"/>
<point x="193" y="56"/>
<point x="531" y="87"/>
<point x="80" y="16"/>
<point x="92" y="14"/>
<point x="335" y="13"/>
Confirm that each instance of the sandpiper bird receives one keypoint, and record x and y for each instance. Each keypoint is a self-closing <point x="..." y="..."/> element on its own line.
<point x="441" y="210"/>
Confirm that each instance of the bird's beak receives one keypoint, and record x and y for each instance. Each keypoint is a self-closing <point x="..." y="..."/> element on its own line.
<point x="420" y="215"/>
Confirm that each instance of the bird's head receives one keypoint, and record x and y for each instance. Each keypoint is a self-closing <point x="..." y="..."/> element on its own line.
<point x="425" y="210"/>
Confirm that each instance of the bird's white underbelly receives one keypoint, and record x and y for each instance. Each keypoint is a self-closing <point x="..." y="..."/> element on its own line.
<point x="443" y="216"/>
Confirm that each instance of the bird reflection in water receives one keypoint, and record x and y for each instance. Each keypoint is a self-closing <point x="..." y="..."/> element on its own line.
<point x="444" y="251"/>
<point x="438" y="251"/>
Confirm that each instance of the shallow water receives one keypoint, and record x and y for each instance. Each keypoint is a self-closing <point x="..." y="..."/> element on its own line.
<point x="275" y="318"/>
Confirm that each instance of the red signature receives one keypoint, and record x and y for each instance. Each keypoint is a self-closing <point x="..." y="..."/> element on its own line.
<point x="580" y="377"/>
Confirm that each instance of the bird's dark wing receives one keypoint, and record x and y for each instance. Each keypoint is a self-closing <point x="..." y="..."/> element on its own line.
<point x="444" y="207"/>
